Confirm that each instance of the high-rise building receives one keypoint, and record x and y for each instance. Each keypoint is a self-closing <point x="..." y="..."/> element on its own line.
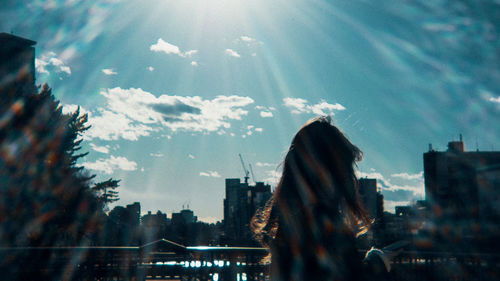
<point x="17" y="60"/>
<point x="462" y="188"/>
<point x="367" y="189"/>
<point x="240" y="204"/>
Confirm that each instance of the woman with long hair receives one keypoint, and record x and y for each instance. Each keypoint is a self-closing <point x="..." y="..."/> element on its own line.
<point x="311" y="221"/>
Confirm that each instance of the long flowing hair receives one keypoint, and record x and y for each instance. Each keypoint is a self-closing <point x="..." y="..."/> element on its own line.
<point x="314" y="205"/>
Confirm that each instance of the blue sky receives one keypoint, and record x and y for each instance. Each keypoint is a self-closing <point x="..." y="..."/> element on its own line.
<point x="176" y="89"/>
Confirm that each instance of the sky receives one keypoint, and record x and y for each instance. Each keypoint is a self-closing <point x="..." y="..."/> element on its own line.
<point x="176" y="89"/>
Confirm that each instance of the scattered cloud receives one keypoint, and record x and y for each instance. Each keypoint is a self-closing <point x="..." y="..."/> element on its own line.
<point x="49" y="62"/>
<point x="251" y="129"/>
<point x="263" y="164"/>
<point x="193" y="63"/>
<point x="101" y="149"/>
<point x="191" y="156"/>
<point x="232" y="53"/>
<point x="190" y="53"/>
<point x="247" y="39"/>
<point x="266" y="114"/>
<point x="299" y="106"/>
<point x="212" y="174"/>
<point x="415" y="187"/>
<point x="71" y="108"/>
<point x="156" y="154"/>
<point x="150" y="68"/>
<point x="495" y="100"/>
<point x="133" y="113"/>
<point x="406" y="176"/>
<point x="109" y="165"/>
<point x="109" y="71"/>
<point x="167" y="48"/>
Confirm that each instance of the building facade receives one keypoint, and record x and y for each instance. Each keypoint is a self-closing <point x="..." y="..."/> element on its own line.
<point x="240" y="204"/>
<point x="462" y="188"/>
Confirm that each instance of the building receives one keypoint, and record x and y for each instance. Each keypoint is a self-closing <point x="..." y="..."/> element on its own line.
<point x="185" y="216"/>
<point x="122" y="225"/>
<point x="240" y="204"/>
<point x="462" y="188"/>
<point x="367" y="189"/>
<point x="17" y="60"/>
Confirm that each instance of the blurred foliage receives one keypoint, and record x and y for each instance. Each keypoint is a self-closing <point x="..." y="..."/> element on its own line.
<point x="45" y="199"/>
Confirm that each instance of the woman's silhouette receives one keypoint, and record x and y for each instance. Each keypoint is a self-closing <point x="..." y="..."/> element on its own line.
<point x="311" y="222"/>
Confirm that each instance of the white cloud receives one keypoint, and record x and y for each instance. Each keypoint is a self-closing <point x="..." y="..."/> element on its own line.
<point x="193" y="63"/>
<point x="232" y="53"/>
<point x="66" y="69"/>
<point x="191" y="156"/>
<point x="110" y="125"/>
<point x="156" y="154"/>
<point x="299" y="106"/>
<point x="263" y="164"/>
<point x="71" y="108"/>
<point x="390" y="205"/>
<point x="50" y="62"/>
<point x="213" y="174"/>
<point x="167" y="48"/>
<point x="247" y="39"/>
<point x="407" y="176"/>
<point x="108" y="166"/>
<point x="101" y="149"/>
<point x="417" y="188"/>
<point x="266" y="114"/>
<point x="495" y="100"/>
<point x="259" y="130"/>
<point x="132" y="113"/>
<point x="273" y="177"/>
<point x="150" y="68"/>
<point x="190" y="53"/>
<point x="40" y="66"/>
<point x="109" y="71"/>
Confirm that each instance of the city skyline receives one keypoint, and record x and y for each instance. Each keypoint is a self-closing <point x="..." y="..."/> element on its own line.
<point x="190" y="85"/>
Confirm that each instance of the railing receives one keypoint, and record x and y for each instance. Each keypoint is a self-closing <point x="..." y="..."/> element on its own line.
<point x="164" y="260"/>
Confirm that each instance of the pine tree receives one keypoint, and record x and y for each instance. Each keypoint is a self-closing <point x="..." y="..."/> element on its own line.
<point x="45" y="199"/>
<point x="106" y="192"/>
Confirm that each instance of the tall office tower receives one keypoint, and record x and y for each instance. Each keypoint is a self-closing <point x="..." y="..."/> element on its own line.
<point x="240" y="204"/>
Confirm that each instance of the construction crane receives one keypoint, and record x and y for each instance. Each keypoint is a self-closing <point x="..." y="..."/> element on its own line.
<point x="244" y="169"/>
<point x="251" y="171"/>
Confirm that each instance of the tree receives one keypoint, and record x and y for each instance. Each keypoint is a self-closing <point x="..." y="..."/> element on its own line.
<point x="45" y="199"/>
<point x="106" y="192"/>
